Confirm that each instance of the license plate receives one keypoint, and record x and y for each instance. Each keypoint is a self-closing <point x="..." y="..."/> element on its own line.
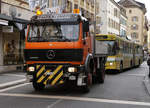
<point x="49" y="73"/>
<point x="72" y="78"/>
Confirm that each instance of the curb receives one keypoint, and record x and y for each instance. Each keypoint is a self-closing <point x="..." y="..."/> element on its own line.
<point x="13" y="71"/>
<point x="13" y="83"/>
<point x="10" y="69"/>
<point x="147" y="84"/>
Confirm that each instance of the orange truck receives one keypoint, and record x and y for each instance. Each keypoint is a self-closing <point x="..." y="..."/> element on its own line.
<point x="59" y="49"/>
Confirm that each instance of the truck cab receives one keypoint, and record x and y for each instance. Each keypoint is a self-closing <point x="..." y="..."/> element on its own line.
<point x="58" y="49"/>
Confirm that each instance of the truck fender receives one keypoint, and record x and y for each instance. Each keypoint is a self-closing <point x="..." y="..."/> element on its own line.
<point x="87" y="61"/>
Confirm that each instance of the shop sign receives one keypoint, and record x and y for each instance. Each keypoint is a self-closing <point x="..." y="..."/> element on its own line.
<point x="3" y="22"/>
<point x="8" y="29"/>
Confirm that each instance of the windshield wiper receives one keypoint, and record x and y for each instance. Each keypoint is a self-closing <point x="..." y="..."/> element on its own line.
<point x="59" y="38"/>
<point x="65" y="39"/>
<point x="39" y="39"/>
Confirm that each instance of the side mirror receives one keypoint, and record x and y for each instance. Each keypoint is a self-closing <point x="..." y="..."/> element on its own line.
<point x="86" y="26"/>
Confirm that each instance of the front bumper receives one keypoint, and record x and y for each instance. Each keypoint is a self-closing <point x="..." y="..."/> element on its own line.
<point x="112" y="66"/>
<point x="53" y="74"/>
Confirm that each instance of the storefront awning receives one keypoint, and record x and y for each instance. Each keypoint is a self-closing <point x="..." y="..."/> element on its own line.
<point x="4" y="20"/>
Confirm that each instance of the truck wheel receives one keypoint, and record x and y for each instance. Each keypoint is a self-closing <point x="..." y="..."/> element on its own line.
<point x="94" y="79"/>
<point x="38" y="86"/>
<point x="88" y="82"/>
<point x="101" y="76"/>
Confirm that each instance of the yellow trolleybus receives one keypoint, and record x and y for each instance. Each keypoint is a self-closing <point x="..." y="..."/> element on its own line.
<point x="123" y="53"/>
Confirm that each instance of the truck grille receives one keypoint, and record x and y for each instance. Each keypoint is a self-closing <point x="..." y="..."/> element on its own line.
<point x="53" y="54"/>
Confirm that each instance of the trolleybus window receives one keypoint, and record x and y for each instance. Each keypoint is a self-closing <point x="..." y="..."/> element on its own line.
<point x="54" y="32"/>
<point x="112" y="47"/>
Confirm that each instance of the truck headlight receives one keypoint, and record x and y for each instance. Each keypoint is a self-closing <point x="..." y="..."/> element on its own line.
<point x="72" y="69"/>
<point x="31" y="69"/>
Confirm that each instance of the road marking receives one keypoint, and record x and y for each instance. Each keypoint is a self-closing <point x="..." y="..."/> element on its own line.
<point x="78" y="99"/>
<point x="52" y="105"/>
<point x="14" y="75"/>
<point x="12" y="83"/>
<point x="17" y="86"/>
<point x="141" y="75"/>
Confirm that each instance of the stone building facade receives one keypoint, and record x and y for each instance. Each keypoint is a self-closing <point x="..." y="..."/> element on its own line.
<point x="88" y="8"/>
<point x="136" y="20"/>
<point x="13" y="13"/>
<point x="110" y="17"/>
<point x="123" y="22"/>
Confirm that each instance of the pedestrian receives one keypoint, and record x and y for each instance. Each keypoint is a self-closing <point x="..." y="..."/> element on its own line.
<point x="148" y="63"/>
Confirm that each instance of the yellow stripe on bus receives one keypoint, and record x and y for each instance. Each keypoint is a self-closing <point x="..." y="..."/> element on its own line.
<point x="57" y="78"/>
<point x="40" y="71"/>
<point x="51" y="76"/>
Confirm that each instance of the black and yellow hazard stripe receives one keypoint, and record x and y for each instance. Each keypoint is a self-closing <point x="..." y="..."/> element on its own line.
<point x="54" y="78"/>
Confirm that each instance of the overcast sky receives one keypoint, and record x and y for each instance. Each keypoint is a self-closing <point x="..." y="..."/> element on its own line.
<point x="147" y="4"/>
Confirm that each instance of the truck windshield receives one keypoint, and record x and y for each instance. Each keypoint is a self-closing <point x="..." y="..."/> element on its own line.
<point x="54" y="32"/>
<point x="112" y="47"/>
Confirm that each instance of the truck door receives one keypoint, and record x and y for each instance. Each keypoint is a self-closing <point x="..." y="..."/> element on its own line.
<point x="86" y="38"/>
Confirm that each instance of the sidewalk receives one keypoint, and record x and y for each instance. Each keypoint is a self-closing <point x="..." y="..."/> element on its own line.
<point x="10" y="68"/>
<point x="11" y="75"/>
<point x="146" y="80"/>
<point x="11" y="79"/>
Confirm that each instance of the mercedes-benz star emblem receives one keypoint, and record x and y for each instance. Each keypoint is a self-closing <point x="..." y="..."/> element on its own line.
<point x="50" y="54"/>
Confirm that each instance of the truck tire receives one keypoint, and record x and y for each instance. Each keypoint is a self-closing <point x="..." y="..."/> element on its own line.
<point x="101" y="73"/>
<point x="101" y="76"/>
<point x="38" y="86"/>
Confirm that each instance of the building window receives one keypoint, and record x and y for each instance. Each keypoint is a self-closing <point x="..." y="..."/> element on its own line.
<point x="26" y="1"/>
<point x="75" y="6"/>
<point x="137" y="41"/>
<point x="130" y="11"/>
<point x="69" y="6"/>
<point x="116" y="12"/>
<point x="135" y="19"/>
<point x="109" y="22"/>
<point x="134" y="27"/>
<point x="134" y="35"/>
<point x="55" y="3"/>
<point x="122" y="33"/>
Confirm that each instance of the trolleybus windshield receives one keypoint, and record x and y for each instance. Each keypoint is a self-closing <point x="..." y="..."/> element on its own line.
<point x="112" y="47"/>
<point x="53" y="33"/>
